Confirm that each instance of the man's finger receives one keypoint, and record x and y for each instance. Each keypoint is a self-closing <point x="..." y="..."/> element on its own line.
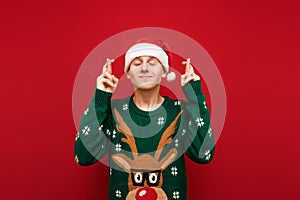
<point x="108" y="65"/>
<point x="187" y="65"/>
<point x="115" y="79"/>
<point x="107" y="82"/>
<point x="104" y="68"/>
<point x="107" y="75"/>
<point x="191" y="69"/>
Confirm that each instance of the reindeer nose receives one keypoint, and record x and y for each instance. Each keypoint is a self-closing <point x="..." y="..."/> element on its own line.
<point x="146" y="193"/>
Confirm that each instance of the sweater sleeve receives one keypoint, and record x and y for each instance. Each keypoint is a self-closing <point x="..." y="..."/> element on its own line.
<point x="92" y="139"/>
<point x="199" y="136"/>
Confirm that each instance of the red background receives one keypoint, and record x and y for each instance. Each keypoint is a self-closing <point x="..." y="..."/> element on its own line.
<point x="255" y="44"/>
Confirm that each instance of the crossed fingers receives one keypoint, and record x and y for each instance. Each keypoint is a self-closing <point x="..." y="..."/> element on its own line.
<point x="189" y="74"/>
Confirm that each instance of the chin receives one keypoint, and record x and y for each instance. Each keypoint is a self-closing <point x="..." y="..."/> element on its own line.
<point x="147" y="86"/>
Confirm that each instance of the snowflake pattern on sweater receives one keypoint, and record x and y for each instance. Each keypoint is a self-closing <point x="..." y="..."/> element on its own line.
<point x="100" y="135"/>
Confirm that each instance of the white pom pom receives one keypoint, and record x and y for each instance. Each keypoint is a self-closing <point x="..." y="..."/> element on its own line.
<point x="171" y="76"/>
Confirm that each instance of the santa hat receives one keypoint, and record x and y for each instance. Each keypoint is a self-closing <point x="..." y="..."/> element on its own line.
<point x="150" y="47"/>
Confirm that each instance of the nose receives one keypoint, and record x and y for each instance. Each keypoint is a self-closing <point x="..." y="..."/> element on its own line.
<point x="146" y="193"/>
<point x="144" y="67"/>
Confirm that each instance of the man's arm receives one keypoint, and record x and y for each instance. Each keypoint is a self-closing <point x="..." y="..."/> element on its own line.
<point x="92" y="140"/>
<point x="199" y="137"/>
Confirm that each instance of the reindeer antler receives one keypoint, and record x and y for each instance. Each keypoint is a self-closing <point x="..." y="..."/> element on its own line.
<point x="166" y="137"/>
<point x="123" y="128"/>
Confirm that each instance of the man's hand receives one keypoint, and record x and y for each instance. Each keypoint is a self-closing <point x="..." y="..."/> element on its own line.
<point x="189" y="74"/>
<point x="107" y="81"/>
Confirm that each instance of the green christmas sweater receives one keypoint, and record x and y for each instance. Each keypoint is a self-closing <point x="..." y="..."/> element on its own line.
<point x="146" y="149"/>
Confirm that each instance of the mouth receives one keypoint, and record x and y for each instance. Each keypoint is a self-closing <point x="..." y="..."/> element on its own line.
<point x="145" y="76"/>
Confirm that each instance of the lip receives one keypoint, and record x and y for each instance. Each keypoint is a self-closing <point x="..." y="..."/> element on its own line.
<point x="145" y="76"/>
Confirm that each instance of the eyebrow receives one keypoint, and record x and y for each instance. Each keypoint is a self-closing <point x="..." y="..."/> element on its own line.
<point x="153" y="58"/>
<point x="150" y="58"/>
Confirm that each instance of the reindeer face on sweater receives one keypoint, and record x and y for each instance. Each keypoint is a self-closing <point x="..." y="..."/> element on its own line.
<point x="145" y="171"/>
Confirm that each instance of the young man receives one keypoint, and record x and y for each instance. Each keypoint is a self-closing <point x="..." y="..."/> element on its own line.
<point x="146" y="134"/>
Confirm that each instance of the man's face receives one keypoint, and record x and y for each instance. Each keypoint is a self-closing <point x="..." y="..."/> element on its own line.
<point x="146" y="72"/>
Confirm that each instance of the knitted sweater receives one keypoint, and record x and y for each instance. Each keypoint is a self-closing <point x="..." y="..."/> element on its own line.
<point x="146" y="148"/>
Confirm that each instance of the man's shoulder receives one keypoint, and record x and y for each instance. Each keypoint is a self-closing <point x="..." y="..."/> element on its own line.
<point x="123" y="102"/>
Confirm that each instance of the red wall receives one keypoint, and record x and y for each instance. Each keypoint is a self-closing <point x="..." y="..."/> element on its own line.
<point x="255" y="44"/>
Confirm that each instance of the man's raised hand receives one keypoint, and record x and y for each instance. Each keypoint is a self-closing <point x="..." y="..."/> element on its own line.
<point x="189" y="74"/>
<point x="107" y="81"/>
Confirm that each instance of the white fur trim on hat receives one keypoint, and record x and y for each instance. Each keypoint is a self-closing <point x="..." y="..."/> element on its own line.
<point x="146" y="49"/>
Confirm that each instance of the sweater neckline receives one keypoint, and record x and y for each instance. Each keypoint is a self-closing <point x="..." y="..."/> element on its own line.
<point x="157" y="111"/>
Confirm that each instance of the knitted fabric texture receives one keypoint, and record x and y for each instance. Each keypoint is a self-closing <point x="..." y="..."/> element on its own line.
<point x="131" y="177"/>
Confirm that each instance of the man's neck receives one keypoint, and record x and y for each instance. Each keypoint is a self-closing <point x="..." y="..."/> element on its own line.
<point x="148" y="100"/>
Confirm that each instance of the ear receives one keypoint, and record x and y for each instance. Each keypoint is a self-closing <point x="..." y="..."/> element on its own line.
<point x="123" y="161"/>
<point x="127" y="75"/>
<point x="164" y="75"/>
<point x="168" y="159"/>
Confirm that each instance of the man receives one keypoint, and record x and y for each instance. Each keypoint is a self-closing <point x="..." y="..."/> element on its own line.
<point x="146" y="134"/>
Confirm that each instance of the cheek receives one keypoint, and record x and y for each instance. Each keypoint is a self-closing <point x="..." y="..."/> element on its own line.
<point x="131" y="73"/>
<point x="162" y="74"/>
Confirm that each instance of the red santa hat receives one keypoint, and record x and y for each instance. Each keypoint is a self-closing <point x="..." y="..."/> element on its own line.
<point x="151" y="47"/>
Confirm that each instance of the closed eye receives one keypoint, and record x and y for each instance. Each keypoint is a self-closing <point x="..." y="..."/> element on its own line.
<point x="136" y="64"/>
